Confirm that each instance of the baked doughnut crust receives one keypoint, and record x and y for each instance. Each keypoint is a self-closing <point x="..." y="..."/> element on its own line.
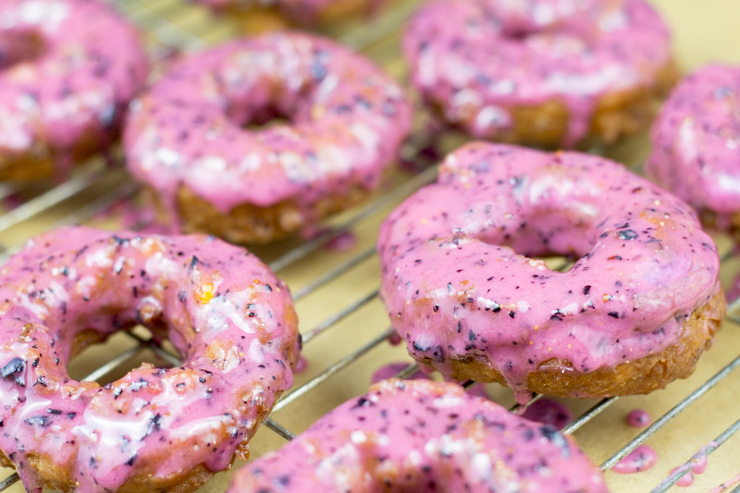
<point x="642" y="376"/>
<point x="462" y="288"/>
<point x="226" y="314"/>
<point x="347" y="121"/>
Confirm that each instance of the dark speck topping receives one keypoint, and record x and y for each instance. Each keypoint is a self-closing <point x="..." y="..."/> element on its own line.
<point x="82" y="278"/>
<point x="695" y="143"/>
<point x="642" y="263"/>
<point x="347" y="122"/>
<point x="448" y="46"/>
<point x="410" y="436"/>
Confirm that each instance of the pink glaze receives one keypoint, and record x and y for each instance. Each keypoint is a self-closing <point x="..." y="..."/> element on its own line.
<point x="301" y="365"/>
<point x="640" y="459"/>
<point x="394" y="339"/>
<point x="549" y="412"/>
<point x="348" y="121"/>
<point x="733" y="292"/>
<point x="392" y="369"/>
<point x="686" y="480"/>
<point x="88" y="65"/>
<point x="132" y="215"/>
<point x="696" y="141"/>
<point x="696" y="465"/>
<point x="224" y="311"/>
<point x="419" y="435"/>
<point x="477" y="389"/>
<point x="458" y="281"/>
<point x="638" y="418"/>
<point x="478" y="59"/>
<point x="699" y="461"/>
<point x="345" y="241"/>
<point x="726" y="485"/>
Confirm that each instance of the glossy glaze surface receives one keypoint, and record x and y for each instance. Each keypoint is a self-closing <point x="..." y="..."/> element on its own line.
<point x="422" y="436"/>
<point x="478" y="60"/>
<point x="696" y="142"/>
<point x="347" y="121"/>
<point x="229" y="317"/>
<point x="641" y="459"/>
<point x="459" y="280"/>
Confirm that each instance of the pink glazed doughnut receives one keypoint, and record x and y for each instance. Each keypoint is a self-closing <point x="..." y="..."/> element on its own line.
<point x="696" y="145"/>
<point x="68" y="69"/>
<point x="548" y="73"/>
<point x="153" y="429"/>
<point x="634" y="312"/>
<point x="422" y="435"/>
<point x="185" y="139"/>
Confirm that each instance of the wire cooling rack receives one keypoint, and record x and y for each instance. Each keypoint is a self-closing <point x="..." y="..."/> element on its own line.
<point x="349" y="327"/>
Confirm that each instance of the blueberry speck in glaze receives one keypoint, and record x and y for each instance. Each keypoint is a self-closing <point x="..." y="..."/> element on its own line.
<point x="438" y="421"/>
<point x="335" y="96"/>
<point x="147" y="403"/>
<point x="693" y="144"/>
<point x="553" y="316"/>
<point x="14" y="366"/>
<point x="627" y="234"/>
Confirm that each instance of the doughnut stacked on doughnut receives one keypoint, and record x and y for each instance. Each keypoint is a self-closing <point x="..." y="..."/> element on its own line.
<point x="68" y="69"/>
<point x="422" y="435"/>
<point x="541" y="72"/>
<point x="153" y="429"/>
<point x="696" y="145"/>
<point x="633" y="313"/>
<point x="185" y="139"/>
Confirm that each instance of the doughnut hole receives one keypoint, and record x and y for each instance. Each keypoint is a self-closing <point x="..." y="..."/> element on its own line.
<point x="527" y="16"/>
<point x="90" y="352"/>
<point x="272" y="100"/>
<point x="560" y="212"/>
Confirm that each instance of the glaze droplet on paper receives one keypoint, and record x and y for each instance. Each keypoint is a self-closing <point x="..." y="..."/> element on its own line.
<point x="640" y="459"/>
<point x="638" y="418"/>
<point x="550" y="412"/>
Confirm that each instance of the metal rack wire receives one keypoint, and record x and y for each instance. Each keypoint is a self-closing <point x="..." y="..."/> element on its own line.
<point x="106" y="184"/>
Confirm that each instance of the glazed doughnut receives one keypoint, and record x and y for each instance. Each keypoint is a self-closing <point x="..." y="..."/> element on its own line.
<point x="695" y="141"/>
<point x="541" y="72"/>
<point x="154" y="429"/>
<point x="421" y="435"/>
<point x="68" y="69"/>
<point x="304" y="12"/>
<point x="634" y="312"/>
<point x="185" y="139"/>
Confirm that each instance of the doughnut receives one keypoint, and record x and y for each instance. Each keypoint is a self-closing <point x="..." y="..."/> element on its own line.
<point x="548" y="73"/>
<point x="185" y="138"/>
<point x="68" y="69"/>
<point x="695" y="140"/>
<point x="154" y="429"/>
<point x="461" y="286"/>
<point x="303" y="12"/>
<point x="421" y="435"/>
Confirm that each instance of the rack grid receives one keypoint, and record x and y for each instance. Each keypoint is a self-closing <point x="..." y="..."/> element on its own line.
<point x="171" y="26"/>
